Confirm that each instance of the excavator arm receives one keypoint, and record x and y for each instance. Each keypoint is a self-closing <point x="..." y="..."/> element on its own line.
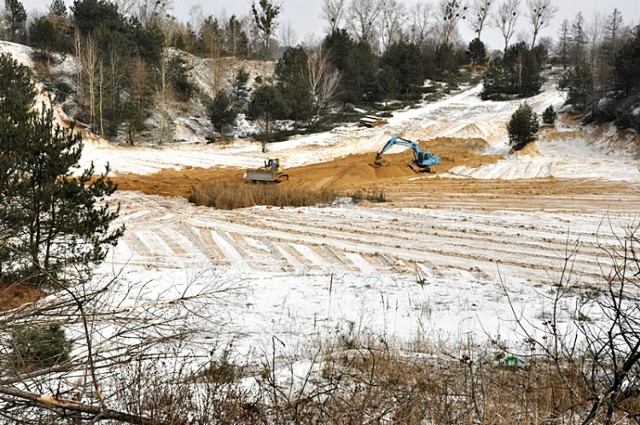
<point x="423" y="160"/>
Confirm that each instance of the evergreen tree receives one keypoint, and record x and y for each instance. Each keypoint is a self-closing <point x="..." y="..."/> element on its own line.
<point x="477" y="52"/>
<point x="578" y="83"/>
<point x="448" y="60"/>
<point x="627" y="65"/>
<point x="549" y="115"/>
<point x="516" y="74"/>
<point x="38" y="347"/>
<point x="403" y="63"/>
<point x="240" y="91"/>
<point x="89" y="15"/>
<point x="237" y="41"/>
<point x="577" y="40"/>
<point x="266" y="106"/>
<point x="58" y="9"/>
<point x="293" y="83"/>
<point x="16" y="17"/>
<point x="338" y="44"/>
<point x="54" y="221"/>
<point x="221" y="112"/>
<point x="179" y="77"/>
<point x="45" y="35"/>
<point x="147" y="42"/>
<point x="522" y="127"/>
<point x="563" y="45"/>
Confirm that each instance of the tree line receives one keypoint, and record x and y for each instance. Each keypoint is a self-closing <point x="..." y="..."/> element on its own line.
<point x="129" y="58"/>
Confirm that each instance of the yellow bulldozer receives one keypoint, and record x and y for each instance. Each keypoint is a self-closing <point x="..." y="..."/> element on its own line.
<point x="271" y="172"/>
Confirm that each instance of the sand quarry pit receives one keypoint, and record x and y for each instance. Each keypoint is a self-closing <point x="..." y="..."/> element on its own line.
<point x="353" y="172"/>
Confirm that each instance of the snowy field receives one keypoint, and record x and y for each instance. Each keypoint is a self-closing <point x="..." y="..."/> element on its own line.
<point x="450" y="270"/>
<point x="303" y="274"/>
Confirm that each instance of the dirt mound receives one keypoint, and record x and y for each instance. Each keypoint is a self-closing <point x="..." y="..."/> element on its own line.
<point x="530" y="149"/>
<point x="347" y="173"/>
<point x="470" y="131"/>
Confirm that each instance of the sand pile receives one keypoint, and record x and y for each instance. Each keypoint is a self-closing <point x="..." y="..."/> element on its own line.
<point x="352" y="172"/>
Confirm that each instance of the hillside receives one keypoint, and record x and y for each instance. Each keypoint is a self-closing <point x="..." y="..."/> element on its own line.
<point x="185" y="121"/>
<point x="449" y="271"/>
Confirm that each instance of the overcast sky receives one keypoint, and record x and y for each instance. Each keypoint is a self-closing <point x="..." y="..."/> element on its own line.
<point x="304" y="15"/>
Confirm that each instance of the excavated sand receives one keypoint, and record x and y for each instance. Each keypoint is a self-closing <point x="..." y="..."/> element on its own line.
<point x="348" y="173"/>
<point x="406" y="188"/>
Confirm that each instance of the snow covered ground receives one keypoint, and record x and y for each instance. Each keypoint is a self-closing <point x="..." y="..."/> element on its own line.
<point x="299" y="274"/>
<point x="436" y="272"/>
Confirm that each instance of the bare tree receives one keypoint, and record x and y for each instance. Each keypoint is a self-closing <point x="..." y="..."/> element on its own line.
<point x="600" y="346"/>
<point x="594" y="36"/>
<point x="613" y="30"/>
<point x="126" y="7"/>
<point x="479" y="14"/>
<point x="450" y="12"/>
<point x="363" y="19"/>
<point x="111" y="326"/>
<point x="153" y="12"/>
<point x="505" y="19"/>
<point x="265" y="20"/>
<point x="323" y="78"/>
<point x="333" y="12"/>
<point x="162" y="95"/>
<point x="421" y="22"/>
<point x="562" y="47"/>
<point x="393" y="19"/>
<point x="88" y="74"/>
<point x="287" y="35"/>
<point x="540" y="13"/>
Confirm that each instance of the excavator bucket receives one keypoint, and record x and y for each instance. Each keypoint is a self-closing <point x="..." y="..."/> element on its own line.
<point x="379" y="162"/>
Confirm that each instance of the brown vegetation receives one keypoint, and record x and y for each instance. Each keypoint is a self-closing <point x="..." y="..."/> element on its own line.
<point x="228" y="196"/>
<point x="13" y="296"/>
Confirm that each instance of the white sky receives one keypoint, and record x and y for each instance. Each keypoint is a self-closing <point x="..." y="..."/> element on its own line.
<point x="304" y="15"/>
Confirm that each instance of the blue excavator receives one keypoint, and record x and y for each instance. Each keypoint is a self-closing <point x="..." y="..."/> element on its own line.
<point x="421" y="159"/>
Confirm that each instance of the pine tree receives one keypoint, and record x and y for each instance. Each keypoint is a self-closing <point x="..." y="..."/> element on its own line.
<point x="549" y="115"/>
<point x="404" y="59"/>
<point x="54" y="219"/>
<point x="477" y="52"/>
<point x="16" y="17"/>
<point x="293" y="83"/>
<point x="578" y="82"/>
<point x="266" y="106"/>
<point x="221" y="112"/>
<point x="516" y="74"/>
<point x="45" y="35"/>
<point x="522" y="127"/>
<point x="627" y="64"/>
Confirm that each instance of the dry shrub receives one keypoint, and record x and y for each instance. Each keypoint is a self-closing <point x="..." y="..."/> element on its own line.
<point x="379" y="382"/>
<point x="229" y="196"/>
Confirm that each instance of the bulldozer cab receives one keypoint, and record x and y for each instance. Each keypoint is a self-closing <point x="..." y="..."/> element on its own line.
<point x="272" y="164"/>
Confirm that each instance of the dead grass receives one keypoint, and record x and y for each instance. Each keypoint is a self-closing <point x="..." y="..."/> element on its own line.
<point x="379" y="383"/>
<point x="229" y="196"/>
<point x="13" y="296"/>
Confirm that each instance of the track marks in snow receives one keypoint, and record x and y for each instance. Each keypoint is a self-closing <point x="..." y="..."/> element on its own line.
<point x="368" y="241"/>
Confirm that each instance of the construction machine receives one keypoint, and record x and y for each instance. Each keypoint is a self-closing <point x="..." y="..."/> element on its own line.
<point x="271" y="172"/>
<point x="421" y="159"/>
